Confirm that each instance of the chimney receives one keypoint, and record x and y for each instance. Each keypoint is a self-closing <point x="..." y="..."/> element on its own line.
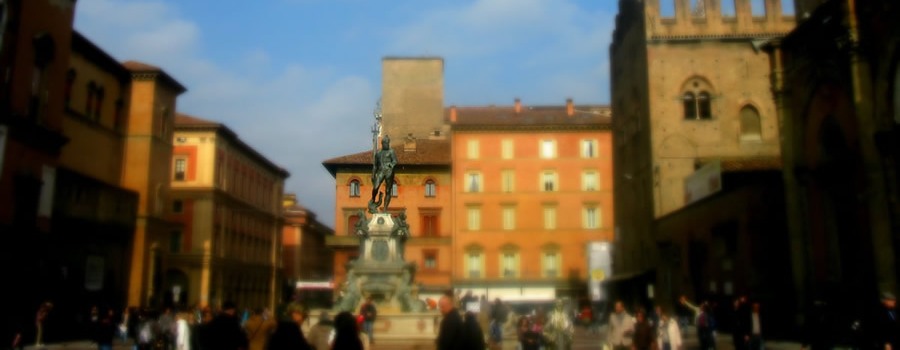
<point x="518" y="105"/>
<point x="410" y="144"/>
<point x="453" y="114"/>
<point x="570" y="108"/>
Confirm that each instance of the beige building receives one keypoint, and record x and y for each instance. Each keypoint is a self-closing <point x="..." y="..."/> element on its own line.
<point x="228" y="198"/>
<point x="690" y="87"/>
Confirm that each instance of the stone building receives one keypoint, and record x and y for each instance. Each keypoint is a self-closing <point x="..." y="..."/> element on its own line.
<point x="691" y="92"/>
<point x="305" y="256"/>
<point x="228" y="198"/>
<point x="836" y="81"/>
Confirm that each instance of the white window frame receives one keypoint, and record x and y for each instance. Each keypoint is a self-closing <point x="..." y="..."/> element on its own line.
<point x="551" y="259"/>
<point x="508" y="180"/>
<point x="509" y="218"/>
<point x="550" y="216"/>
<point x="473" y="218"/>
<point x="175" y="165"/>
<point x="474" y="262"/>
<point x="430" y="188"/>
<point x="473" y="177"/>
<point x="507" y="149"/>
<point x="472" y="149"/>
<point x="509" y="264"/>
<point x="592" y="219"/>
<point x="547" y="149"/>
<point x="589" y="148"/>
<point x="590" y="181"/>
<point x="549" y="176"/>
<point x="355" y="188"/>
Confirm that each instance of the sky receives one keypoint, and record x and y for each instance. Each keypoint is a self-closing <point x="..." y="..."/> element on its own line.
<point x="298" y="80"/>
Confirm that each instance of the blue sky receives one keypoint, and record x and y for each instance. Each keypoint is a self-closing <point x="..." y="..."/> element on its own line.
<point x="298" y="79"/>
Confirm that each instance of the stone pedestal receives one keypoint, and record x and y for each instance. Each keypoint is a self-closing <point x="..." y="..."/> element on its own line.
<point x="380" y="272"/>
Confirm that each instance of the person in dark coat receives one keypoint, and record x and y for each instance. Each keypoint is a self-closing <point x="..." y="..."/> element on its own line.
<point x="288" y="335"/>
<point x="452" y="331"/>
<point x="644" y="336"/>
<point x="225" y="330"/>
<point x="474" y="336"/>
<point x="346" y="332"/>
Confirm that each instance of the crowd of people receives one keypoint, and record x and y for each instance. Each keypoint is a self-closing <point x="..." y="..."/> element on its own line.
<point x="466" y="322"/>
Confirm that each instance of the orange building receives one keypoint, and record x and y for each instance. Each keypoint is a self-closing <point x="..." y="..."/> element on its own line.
<point x="305" y="257"/>
<point x="422" y="190"/>
<point x="146" y="170"/>
<point x="532" y="188"/>
<point x="228" y="199"/>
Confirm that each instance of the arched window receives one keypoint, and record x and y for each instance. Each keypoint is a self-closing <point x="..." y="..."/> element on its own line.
<point x="697" y="99"/>
<point x="430" y="188"/>
<point x="750" y="124"/>
<point x="354" y="188"/>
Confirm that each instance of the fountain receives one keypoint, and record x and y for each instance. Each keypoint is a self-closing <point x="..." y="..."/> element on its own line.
<point x="380" y="271"/>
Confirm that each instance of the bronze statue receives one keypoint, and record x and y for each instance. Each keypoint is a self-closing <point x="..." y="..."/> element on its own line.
<point x="382" y="173"/>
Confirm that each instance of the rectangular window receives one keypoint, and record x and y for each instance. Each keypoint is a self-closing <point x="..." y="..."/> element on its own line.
<point x="548" y="181"/>
<point x="508" y="180"/>
<point x="550" y="263"/>
<point x="548" y="149"/>
<point x="474" y="218"/>
<point x="589" y="181"/>
<point x="395" y="190"/>
<point x="429" y="259"/>
<point x="507" y="149"/>
<point x="591" y="217"/>
<point x="352" y="220"/>
<point x="430" y="225"/>
<point x="473" y="182"/>
<point x="472" y="149"/>
<point x="550" y="217"/>
<point x="175" y="242"/>
<point x="509" y="218"/>
<point x="180" y="169"/>
<point x="473" y="262"/>
<point x="177" y="206"/>
<point x="509" y="265"/>
<point x="589" y="148"/>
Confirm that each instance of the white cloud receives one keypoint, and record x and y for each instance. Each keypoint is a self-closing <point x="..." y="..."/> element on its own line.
<point x="296" y="117"/>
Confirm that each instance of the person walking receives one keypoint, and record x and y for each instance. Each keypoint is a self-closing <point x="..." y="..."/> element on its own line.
<point x="644" y="336"/>
<point x="258" y="330"/>
<point x="369" y="313"/>
<point x="621" y="328"/>
<point x="473" y="336"/>
<point x="346" y="334"/>
<point x="288" y="334"/>
<point x="668" y="334"/>
<point x="225" y="329"/>
<point x="451" y="332"/>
